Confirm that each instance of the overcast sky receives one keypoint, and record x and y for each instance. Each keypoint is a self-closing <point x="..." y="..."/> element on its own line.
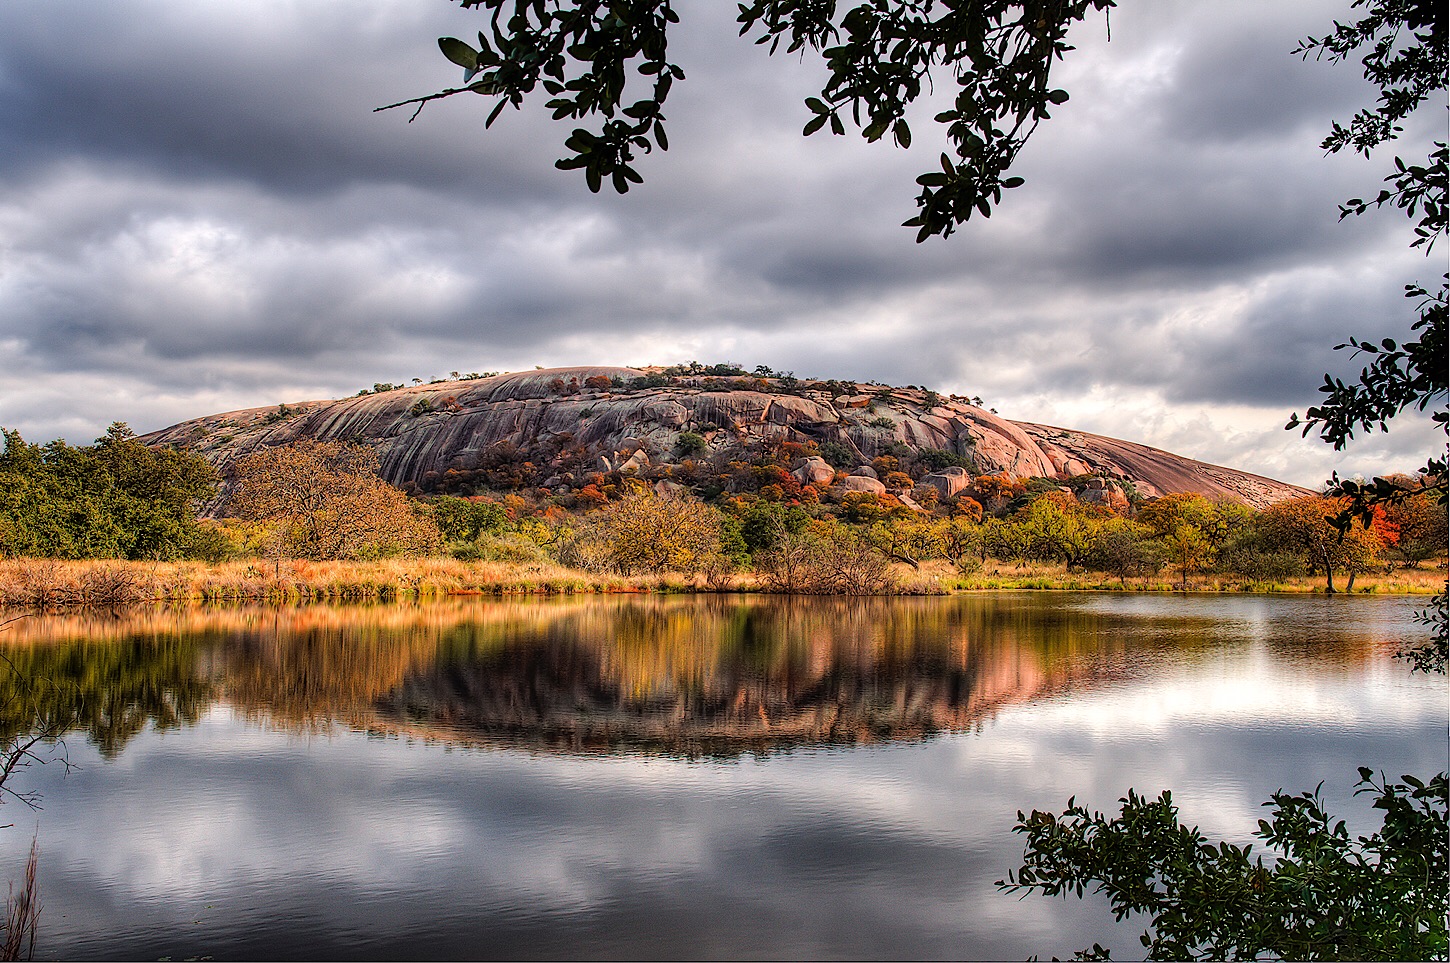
<point x="202" y="212"/>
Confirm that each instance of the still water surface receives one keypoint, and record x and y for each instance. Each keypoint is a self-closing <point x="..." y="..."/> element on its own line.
<point x="668" y="777"/>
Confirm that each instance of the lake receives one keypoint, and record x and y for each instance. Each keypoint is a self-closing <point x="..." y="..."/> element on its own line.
<point x="666" y="777"/>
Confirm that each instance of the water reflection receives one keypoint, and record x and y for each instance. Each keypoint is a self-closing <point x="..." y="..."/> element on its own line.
<point x="348" y="783"/>
<point x="693" y="677"/>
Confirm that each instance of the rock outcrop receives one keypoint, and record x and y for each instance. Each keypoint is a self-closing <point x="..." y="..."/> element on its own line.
<point x="629" y="419"/>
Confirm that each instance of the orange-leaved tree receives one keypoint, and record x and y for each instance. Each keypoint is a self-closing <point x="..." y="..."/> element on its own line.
<point x="324" y="500"/>
<point x="1307" y="525"/>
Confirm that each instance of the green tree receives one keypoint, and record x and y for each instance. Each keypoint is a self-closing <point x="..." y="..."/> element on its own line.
<point x="1187" y="549"/>
<point x="1125" y="548"/>
<point x="608" y="62"/>
<point x="118" y="498"/>
<point x="1325" y="896"/>
<point x="465" y="519"/>
<point x="1402" y="48"/>
<point x="1059" y="529"/>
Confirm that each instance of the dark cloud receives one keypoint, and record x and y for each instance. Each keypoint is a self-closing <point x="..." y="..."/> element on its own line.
<point x="203" y="202"/>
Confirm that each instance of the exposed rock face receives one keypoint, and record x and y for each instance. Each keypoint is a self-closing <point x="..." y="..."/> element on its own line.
<point x="948" y="481"/>
<point x="425" y="430"/>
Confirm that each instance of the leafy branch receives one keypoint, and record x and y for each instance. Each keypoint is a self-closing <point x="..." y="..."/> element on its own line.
<point x="591" y="56"/>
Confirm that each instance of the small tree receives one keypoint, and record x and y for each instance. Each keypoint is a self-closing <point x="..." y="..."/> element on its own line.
<point x="324" y="500"/>
<point x="1125" y="548"/>
<point x="643" y="532"/>
<point x="1307" y="526"/>
<point x="1187" y="550"/>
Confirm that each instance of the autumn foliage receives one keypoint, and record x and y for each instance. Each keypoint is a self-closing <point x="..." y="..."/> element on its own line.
<point x="323" y="500"/>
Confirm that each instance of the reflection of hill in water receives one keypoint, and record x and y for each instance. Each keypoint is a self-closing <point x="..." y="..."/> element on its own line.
<point x="726" y="677"/>
<point x="687" y="676"/>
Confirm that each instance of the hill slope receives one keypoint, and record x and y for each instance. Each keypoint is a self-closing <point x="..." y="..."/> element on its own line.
<point x="569" y="422"/>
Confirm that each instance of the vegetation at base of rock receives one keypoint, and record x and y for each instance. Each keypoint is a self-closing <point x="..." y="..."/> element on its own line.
<point x="321" y="500"/>
<point x="766" y="526"/>
<point x="1321" y="895"/>
<point x="644" y="533"/>
<point x="117" y="498"/>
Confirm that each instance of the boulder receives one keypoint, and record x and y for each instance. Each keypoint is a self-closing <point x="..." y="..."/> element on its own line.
<point x="948" y="481"/>
<point x="1101" y="491"/>
<point x="635" y="462"/>
<point x="909" y="502"/>
<point x="815" y="470"/>
<point x="669" y="413"/>
<point x="866" y="471"/>
<point x="860" y="483"/>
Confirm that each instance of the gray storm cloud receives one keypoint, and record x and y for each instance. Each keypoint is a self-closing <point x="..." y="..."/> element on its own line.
<point x="203" y="210"/>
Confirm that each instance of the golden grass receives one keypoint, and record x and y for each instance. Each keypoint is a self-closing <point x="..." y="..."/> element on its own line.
<point x="47" y="582"/>
<point x="1000" y="576"/>
<point x="109" y="583"/>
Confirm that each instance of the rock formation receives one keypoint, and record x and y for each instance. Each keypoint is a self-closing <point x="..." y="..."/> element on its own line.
<point x="628" y="419"/>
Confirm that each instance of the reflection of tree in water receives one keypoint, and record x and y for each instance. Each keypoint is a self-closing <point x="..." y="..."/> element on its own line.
<point x="108" y="691"/>
<point x="686" y="675"/>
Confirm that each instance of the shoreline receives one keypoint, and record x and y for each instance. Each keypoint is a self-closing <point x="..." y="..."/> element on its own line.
<point x="28" y="584"/>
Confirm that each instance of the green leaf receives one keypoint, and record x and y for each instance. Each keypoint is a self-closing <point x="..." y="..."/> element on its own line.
<point x="814" y="124"/>
<point x="458" y="52"/>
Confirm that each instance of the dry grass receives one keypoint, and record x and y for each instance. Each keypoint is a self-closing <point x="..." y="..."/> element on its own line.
<point x="1401" y="581"/>
<point x="22" y="914"/>
<point x="49" y="583"/>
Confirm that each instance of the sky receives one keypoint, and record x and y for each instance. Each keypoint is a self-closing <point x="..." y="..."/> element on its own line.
<point x="201" y="211"/>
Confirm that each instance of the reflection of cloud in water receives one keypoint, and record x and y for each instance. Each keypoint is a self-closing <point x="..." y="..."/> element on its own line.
<point x="329" y="841"/>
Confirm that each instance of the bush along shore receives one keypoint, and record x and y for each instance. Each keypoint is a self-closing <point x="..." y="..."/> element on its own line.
<point x="119" y="522"/>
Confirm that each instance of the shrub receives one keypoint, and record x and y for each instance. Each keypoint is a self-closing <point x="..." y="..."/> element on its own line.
<point x="838" y="455"/>
<point x="643" y="532"/>
<point x="935" y="459"/>
<point x="689" y="443"/>
<point x="826" y="559"/>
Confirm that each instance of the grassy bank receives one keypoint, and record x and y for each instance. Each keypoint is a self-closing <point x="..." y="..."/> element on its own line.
<point x="49" y="582"/>
<point x="1401" y="581"/>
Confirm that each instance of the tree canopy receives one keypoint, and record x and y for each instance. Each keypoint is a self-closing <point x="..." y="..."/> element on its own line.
<point x="324" y="500"/>
<point x="117" y="498"/>
<point x="607" y="62"/>
<point x="1326" y="895"/>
